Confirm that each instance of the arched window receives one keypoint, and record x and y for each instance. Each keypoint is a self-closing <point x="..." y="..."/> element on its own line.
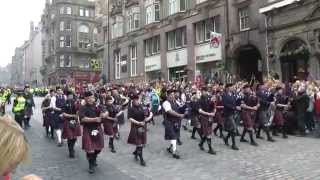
<point x="69" y="10"/>
<point x="83" y="29"/>
<point x="83" y="34"/>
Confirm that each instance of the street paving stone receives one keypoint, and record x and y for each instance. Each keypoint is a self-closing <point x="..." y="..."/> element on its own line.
<point x="296" y="158"/>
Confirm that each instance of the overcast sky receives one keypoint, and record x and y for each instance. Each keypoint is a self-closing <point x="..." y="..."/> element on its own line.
<point x="15" y="17"/>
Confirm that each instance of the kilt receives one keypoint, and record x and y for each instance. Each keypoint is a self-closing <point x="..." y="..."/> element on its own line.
<point x="57" y="121"/>
<point x="206" y="126"/>
<point x="278" y="119"/>
<point x="110" y="127"/>
<point x="89" y="143"/>
<point x="262" y="118"/>
<point x="28" y="111"/>
<point x="219" y="118"/>
<point x="195" y="121"/>
<point x="172" y="129"/>
<point x="121" y="119"/>
<point x="70" y="133"/>
<point x="46" y="120"/>
<point x="137" y="138"/>
<point x="230" y="123"/>
<point x="246" y="117"/>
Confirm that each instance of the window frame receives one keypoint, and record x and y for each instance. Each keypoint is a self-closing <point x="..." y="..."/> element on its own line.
<point x="68" y="10"/>
<point x="62" y="26"/>
<point x="66" y="41"/>
<point x="61" y="41"/>
<point x="117" y="62"/>
<point x="244" y="18"/>
<point x="133" y="60"/>
<point x="133" y="18"/>
<point x="173" y="37"/>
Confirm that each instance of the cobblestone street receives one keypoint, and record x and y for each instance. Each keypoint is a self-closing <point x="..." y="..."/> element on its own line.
<point x="294" y="158"/>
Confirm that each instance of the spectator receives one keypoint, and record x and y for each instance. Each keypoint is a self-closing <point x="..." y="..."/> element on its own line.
<point x="14" y="147"/>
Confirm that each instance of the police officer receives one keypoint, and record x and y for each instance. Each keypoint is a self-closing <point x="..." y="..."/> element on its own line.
<point x="19" y="106"/>
<point x="206" y="113"/>
<point x="3" y="100"/>
<point x="92" y="139"/>
<point x="29" y="105"/>
<point x="172" y="122"/>
<point x="230" y="108"/>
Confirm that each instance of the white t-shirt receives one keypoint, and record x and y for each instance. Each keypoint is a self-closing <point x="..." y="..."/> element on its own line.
<point x="166" y="106"/>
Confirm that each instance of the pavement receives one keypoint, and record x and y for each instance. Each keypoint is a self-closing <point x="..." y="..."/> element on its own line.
<point x="296" y="158"/>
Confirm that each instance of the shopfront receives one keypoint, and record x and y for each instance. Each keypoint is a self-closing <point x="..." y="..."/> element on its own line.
<point x="177" y="62"/>
<point x="153" y="67"/>
<point x="207" y="57"/>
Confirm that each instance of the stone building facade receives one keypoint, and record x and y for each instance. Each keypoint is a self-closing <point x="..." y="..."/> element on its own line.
<point x="294" y="38"/>
<point x="70" y="36"/>
<point x="156" y="39"/>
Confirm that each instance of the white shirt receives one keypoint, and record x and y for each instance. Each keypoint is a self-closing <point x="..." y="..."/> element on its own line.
<point x="53" y="102"/>
<point x="167" y="106"/>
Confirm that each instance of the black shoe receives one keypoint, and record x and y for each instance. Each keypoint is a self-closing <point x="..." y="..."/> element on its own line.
<point x="169" y="150"/>
<point x="243" y="140"/>
<point x="254" y="144"/>
<point x="271" y="140"/>
<point x="211" y="151"/>
<point x="275" y="134"/>
<point x="176" y="156"/>
<point x="142" y="163"/>
<point x="91" y="170"/>
<point x="112" y="150"/>
<point x="201" y="147"/>
<point x="193" y="137"/>
<point x="226" y="141"/>
<point x="179" y="142"/>
<point x="60" y="144"/>
<point x="234" y="147"/>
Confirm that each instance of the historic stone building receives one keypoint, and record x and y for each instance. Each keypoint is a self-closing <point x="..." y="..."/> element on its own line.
<point x="293" y="38"/>
<point x="16" y="67"/>
<point x="246" y="42"/>
<point x="69" y="42"/>
<point x="151" y="39"/>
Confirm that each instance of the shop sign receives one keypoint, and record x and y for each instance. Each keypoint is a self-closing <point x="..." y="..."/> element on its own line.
<point x="211" y="51"/>
<point x="177" y="58"/>
<point x="152" y="63"/>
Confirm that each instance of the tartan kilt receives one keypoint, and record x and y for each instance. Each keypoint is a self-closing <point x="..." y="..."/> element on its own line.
<point x="89" y="143"/>
<point x="110" y="127"/>
<point x="135" y="137"/>
<point x="230" y="123"/>
<point x="195" y="121"/>
<point x="219" y="118"/>
<point x="172" y="129"/>
<point x="247" y="120"/>
<point x="70" y="133"/>
<point x="206" y="126"/>
<point x="278" y="119"/>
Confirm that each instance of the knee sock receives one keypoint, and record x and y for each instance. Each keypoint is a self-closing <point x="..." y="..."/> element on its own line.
<point x="59" y="133"/>
<point x="174" y="145"/>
